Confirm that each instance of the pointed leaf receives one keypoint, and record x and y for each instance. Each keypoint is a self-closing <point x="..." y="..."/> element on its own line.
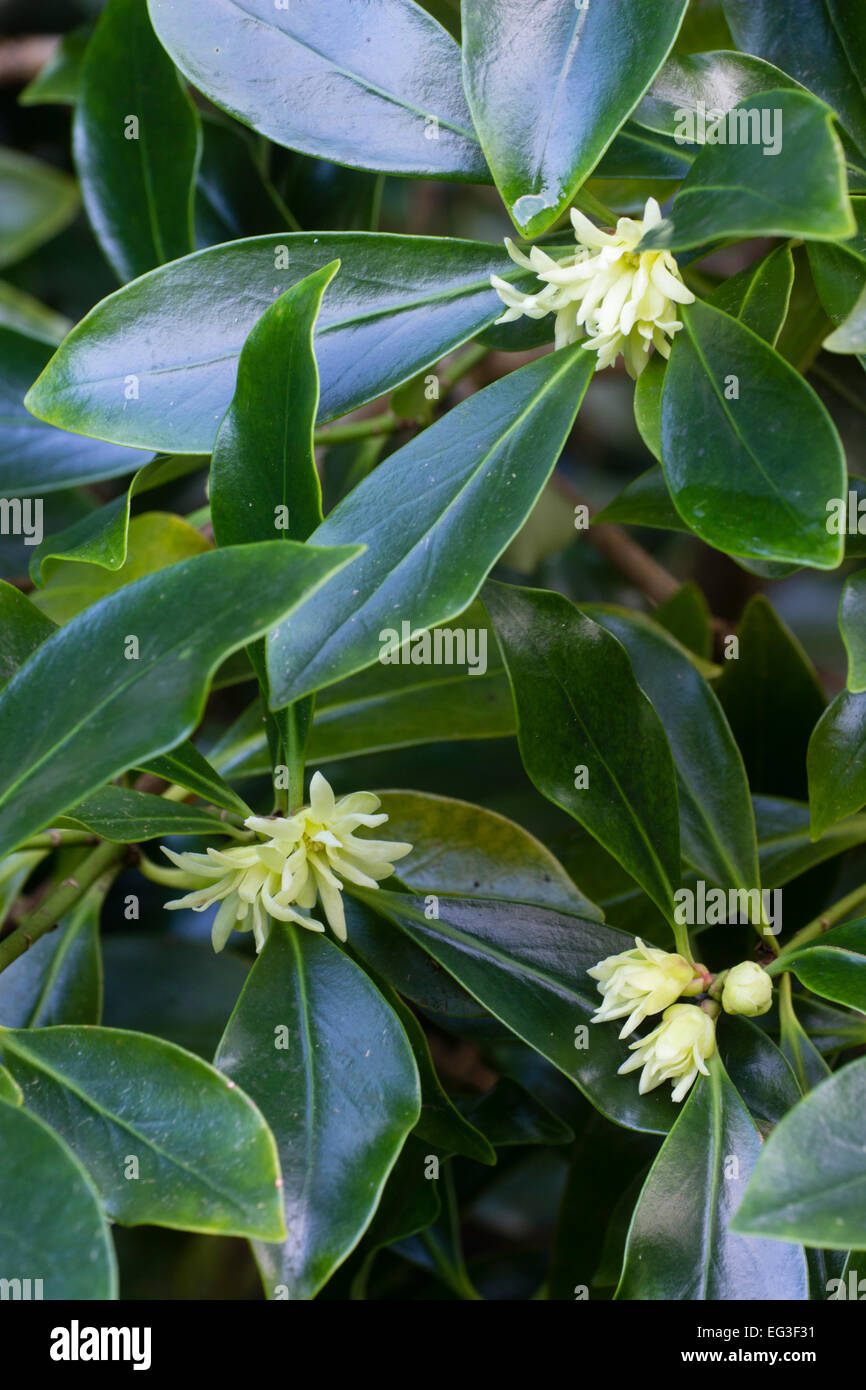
<point x="36" y="202"/>
<point x="328" y="1062"/>
<point x="435" y="516"/>
<point x="59" y="980"/>
<point x="834" y="966"/>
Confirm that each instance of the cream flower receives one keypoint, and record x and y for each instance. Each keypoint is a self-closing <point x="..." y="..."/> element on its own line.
<point x="296" y="860"/>
<point x="622" y="298"/>
<point x="747" y="990"/>
<point x="674" y="1051"/>
<point x="641" y="982"/>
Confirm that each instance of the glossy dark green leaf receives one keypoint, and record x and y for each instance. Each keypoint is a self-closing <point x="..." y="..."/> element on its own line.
<point x="372" y="83"/>
<point x="435" y="516"/>
<point x="263" y="473"/>
<point x="810" y="1182"/>
<point x="59" y="980"/>
<point x="579" y="706"/>
<point x="327" y="1060"/>
<point x="782" y="175"/>
<point x="23" y="628"/>
<point x="686" y="616"/>
<point x="816" y="44"/>
<point x="645" y="501"/>
<point x="34" y="457"/>
<point x="637" y="153"/>
<point x="118" y="710"/>
<point x="527" y="965"/>
<point x="56" y="82"/>
<point x="52" y="1220"/>
<point x="36" y="202"/>
<point x="206" y="1160"/>
<point x="759" y="1070"/>
<point x="126" y="816"/>
<point x="714" y="81"/>
<point x="831" y="1030"/>
<point x="805" y="1060"/>
<point x="101" y="537"/>
<point x="850" y="336"/>
<point x="785" y="844"/>
<point x="836" y="763"/>
<point x="717" y="829"/>
<point x="839" y="270"/>
<point x="186" y="767"/>
<point x="531" y="65"/>
<point x="410" y="1203"/>
<point x="772" y="698"/>
<point x="759" y="295"/>
<point x="833" y="966"/>
<point x="464" y="849"/>
<point x="508" y="1114"/>
<point x="852" y="625"/>
<point x="399" y="304"/>
<point x="770" y="454"/>
<point x="680" y="1243"/>
<point x="137" y="142"/>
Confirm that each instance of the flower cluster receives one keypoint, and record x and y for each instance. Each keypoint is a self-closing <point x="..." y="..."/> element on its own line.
<point x="621" y="298"/>
<point x="294" y="861"/>
<point x="648" y="981"/>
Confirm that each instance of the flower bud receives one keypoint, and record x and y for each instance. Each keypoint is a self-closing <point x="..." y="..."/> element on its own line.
<point x="639" y="983"/>
<point x="674" y="1051"/>
<point x="747" y="990"/>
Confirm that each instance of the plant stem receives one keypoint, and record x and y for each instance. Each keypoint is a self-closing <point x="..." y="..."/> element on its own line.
<point x="45" y="917"/>
<point x="53" y="839"/>
<point x="827" y="919"/>
<point x="385" y="423"/>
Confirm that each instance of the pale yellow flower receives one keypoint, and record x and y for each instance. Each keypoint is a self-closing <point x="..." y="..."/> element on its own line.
<point x="641" y="982"/>
<point x="676" y="1050"/>
<point x="747" y="990"/>
<point x="295" y="861"/>
<point x="622" y="299"/>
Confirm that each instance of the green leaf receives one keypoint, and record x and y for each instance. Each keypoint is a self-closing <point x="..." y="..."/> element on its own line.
<point x="549" y="86"/>
<point x="34" y="457"/>
<point x="117" y="710"/>
<point x="101" y="537"/>
<point x="527" y="965"/>
<point x="59" y="980"/>
<point x="839" y="271"/>
<point x="234" y="194"/>
<point x="805" y="1060"/>
<point x="715" y="82"/>
<point x="126" y="817"/>
<point x="850" y="336"/>
<point x="816" y="44"/>
<point x="206" y="1158"/>
<point x="579" y="706"/>
<point x="36" y="202"/>
<point x="833" y="966"/>
<point x="151" y="542"/>
<point x="759" y="296"/>
<point x="772" y="698"/>
<point x="326" y="1059"/>
<point x="186" y="767"/>
<point x="853" y="629"/>
<point x="785" y="845"/>
<point x="645" y="501"/>
<point x="476" y="475"/>
<point x="52" y="1219"/>
<point x="810" y="1182"/>
<point x="466" y="849"/>
<point x="56" y="82"/>
<point x="399" y="304"/>
<point x="263" y="460"/>
<point x="372" y="85"/>
<point x="680" y="1243"/>
<point x="835" y="761"/>
<point x="19" y="310"/>
<point x="750" y="491"/>
<point x="137" y="142"/>
<point x="24" y="629"/>
<point x="717" y="828"/>
<point x="686" y="616"/>
<point x="783" y="175"/>
<point x="759" y="1070"/>
<point x="10" y="1091"/>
